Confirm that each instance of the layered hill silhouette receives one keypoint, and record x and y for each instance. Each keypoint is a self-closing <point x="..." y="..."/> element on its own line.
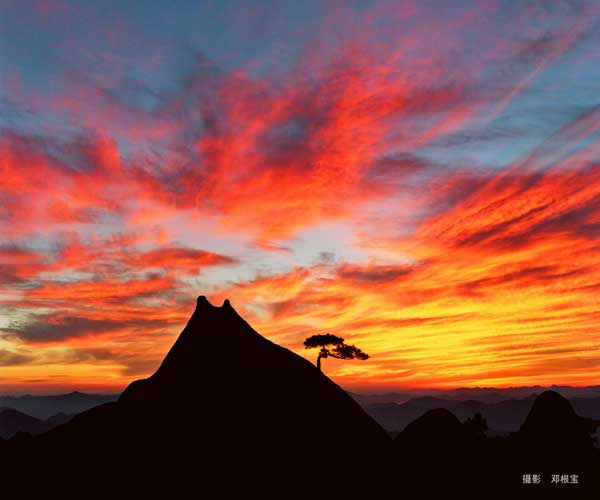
<point x="13" y="421"/>
<point x="230" y="414"/>
<point x="552" y="442"/>
<point x="178" y="431"/>
<point x="502" y="416"/>
<point x="44" y="407"/>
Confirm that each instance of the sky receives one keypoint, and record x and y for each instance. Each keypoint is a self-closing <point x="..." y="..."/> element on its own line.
<point x="420" y="178"/>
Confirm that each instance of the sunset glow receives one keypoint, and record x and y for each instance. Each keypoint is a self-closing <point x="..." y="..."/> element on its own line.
<point x="421" y="179"/>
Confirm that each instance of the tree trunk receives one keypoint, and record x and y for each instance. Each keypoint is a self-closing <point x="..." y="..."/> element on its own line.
<point x="319" y="362"/>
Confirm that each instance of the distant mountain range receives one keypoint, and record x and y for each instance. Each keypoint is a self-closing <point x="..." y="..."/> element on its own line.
<point x="502" y="416"/>
<point x="484" y="394"/>
<point x="43" y="407"/>
<point x="14" y="421"/>
<point x="503" y="413"/>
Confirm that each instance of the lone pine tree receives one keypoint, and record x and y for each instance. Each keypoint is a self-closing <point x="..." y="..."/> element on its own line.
<point x="332" y="346"/>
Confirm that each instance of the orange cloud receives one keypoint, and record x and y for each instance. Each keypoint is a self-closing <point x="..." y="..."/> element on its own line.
<point x="455" y="271"/>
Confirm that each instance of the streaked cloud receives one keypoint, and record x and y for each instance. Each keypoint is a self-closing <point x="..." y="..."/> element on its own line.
<point x="420" y="178"/>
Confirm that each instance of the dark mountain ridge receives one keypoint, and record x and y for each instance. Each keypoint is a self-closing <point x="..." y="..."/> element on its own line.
<point x="505" y="416"/>
<point x="160" y="440"/>
<point x="502" y="417"/>
<point x="553" y="441"/>
<point x="178" y="433"/>
<point x="13" y="421"/>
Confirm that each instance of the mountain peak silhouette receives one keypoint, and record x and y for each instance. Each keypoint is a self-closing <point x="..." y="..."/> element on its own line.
<point x="218" y="341"/>
<point x="553" y="419"/>
<point x="435" y="427"/>
<point x="549" y="408"/>
<point x="202" y="302"/>
<point x="223" y="393"/>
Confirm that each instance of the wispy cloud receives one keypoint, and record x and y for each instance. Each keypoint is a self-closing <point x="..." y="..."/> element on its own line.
<point x="376" y="172"/>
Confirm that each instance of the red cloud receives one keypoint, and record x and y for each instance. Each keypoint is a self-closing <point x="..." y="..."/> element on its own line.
<point x="467" y="268"/>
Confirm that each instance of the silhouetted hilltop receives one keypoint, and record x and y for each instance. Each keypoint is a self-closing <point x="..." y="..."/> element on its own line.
<point x="161" y="439"/>
<point x="220" y="350"/>
<point x="553" y="420"/>
<point x="435" y="451"/>
<point x="504" y="416"/>
<point x="13" y="421"/>
<point x="448" y="459"/>
<point x="229" y="414"/>
<point x="437" y="427"/>
<point x="555" y="444"/>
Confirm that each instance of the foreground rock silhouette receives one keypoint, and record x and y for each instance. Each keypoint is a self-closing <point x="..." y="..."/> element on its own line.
<point x="13" y="421"/>
<point x="447" y="459"/>
<point x="229" y="414"/>
<point x="555" y="441"/>
<point x="178" y="434"/>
